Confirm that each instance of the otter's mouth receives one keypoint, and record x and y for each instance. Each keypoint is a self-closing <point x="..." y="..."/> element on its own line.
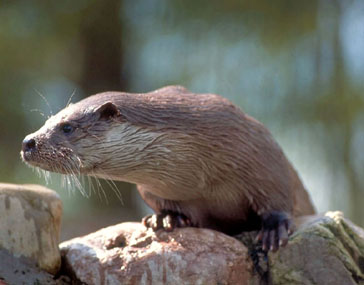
<point x="57" y="166"/>
<point x="30" y="157"/>
<point x="48" y="158"/>
<point x="33" y="159"/>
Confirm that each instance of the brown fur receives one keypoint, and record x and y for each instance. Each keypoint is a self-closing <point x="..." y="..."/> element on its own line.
<point x="195" y="154"/>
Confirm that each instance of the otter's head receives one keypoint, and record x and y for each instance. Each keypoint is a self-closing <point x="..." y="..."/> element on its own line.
<point x="80" y="139"/>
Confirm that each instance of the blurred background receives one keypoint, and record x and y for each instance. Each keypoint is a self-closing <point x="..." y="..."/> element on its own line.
<point x="297" y="66"/>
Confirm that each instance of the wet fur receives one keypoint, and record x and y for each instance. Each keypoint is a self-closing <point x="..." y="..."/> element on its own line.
<point x="195" y="154"/>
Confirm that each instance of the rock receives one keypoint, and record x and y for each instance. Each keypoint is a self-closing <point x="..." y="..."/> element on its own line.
<point x="129" y="254"/>
<point x="30" y="217"/>
<point x="326" y="249"/>
<point x="21" y="270"/>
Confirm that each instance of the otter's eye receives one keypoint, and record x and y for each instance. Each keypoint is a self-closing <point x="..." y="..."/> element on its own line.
<point x="67" y="128"/>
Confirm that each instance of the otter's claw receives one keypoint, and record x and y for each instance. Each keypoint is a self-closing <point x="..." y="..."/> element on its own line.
<point x="167" y="221"/>
<point x="276" y="228"/>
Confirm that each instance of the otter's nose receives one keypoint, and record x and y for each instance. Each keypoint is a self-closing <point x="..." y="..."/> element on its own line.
<point x="28" y="144"/>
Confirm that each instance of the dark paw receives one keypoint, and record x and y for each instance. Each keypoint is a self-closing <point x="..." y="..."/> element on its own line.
<point x="276" y="228"/>
<point x="167" y="221"/>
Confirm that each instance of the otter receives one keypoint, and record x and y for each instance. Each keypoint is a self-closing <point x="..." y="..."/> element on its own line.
<point x="197" y="159"/>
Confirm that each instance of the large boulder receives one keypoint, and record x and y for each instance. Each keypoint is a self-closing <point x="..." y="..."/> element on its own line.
<point x="22" y="270"/>
<point x="326" y="249"/>
<point x="129" y="254"/>
<point x="30" y="218"/>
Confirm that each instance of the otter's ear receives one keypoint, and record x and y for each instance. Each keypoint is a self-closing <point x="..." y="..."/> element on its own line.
<point x="108" y="110"/>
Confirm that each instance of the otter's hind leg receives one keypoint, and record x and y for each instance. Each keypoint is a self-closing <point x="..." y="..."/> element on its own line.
<point x="276" y="227"/>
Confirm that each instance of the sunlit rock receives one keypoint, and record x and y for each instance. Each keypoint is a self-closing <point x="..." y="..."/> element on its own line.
<point x="129" y="254"/>
<point x="30" y="217"/>
<point x="326" y="249"/>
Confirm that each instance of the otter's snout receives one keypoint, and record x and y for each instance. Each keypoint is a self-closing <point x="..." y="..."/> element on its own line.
<point x="28" y="144"/>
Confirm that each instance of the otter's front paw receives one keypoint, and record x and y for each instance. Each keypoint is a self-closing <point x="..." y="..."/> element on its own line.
<point x="167" y="221"/>
<point x="276" y="228"/>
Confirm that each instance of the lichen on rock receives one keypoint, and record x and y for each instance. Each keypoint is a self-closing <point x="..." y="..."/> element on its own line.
<point x="325" y="249"/>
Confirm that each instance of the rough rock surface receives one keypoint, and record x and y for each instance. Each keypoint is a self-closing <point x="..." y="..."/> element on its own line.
<point x="30" y="218"/>
<point x="129" y="254"/>
<point x="21" y="270"/>
<point x="326" y="249"/>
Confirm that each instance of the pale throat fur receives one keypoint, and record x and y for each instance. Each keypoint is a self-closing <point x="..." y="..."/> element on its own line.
<point x="195" y="154"/>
